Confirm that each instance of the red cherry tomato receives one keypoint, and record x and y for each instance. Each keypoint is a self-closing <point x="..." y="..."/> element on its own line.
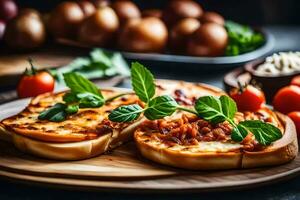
<point x="295" y="116"/>
<point x="287" y="99"/>
<point x="296" y="81"/>
<point x="248" y="98"/>
<point x="33" y="83"/>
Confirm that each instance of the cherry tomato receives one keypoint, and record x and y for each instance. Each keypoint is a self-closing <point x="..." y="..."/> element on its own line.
<point x="34" y="82"/>
<point x="296" y="81"/>
<point x="295" y="116"/>
<point x="248" y="98"/>
<point x="287" y="99"/>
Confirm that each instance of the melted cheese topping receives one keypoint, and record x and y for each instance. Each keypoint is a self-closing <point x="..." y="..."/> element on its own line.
<point x="201" y="147"/>
<point x="191" y="90"/>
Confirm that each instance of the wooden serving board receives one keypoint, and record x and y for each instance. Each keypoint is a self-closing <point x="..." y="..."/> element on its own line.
<point x="124" y="169"/>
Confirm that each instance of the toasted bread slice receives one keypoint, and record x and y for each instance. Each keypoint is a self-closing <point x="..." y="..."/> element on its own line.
<point x="216" y="155"/>
<point x="87" y="124"/>
<point x="87" y="133"/>
<point x="83" y="135"/>
<point x="70" y="150"/>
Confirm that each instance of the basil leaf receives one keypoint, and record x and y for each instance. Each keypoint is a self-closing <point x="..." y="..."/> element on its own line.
<point x="70" y="97"/>
<point x="125" y="113"/>
<point x="238" y="133"/>
<point x="99" y="64"/>
<point x="265" y="133"/>
<point x="216" y="110"/>
<point x="55" y="113"/>
<point x="142" y="82"/>
<point x="72" y="109"/>
<point x="79" y="84"/>
<point x="88" y="100"/>
<point x="160" y="107"/>
<point x="229" y="107"/>
<point x="58" y="117"/>
<point x="210" y="109"/>
<point x="241" y="39"/>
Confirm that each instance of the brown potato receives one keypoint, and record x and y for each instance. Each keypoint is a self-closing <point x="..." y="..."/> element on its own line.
<point x="126" y="10"/>
<point x="212" y="17"/>
<point x="144" y="35"/>
<point x="25" y="32"/>
<point x="64" y="20"/>
<point x="181" y="32"/>
<point x="99" y="28"/>
<point x="152" y="13"/>
<point x="29" y="12"/>
<point x="209" y="40"/>
<point x="101" y="3"/>
<point x="179" y="9"/>
<point x="87" y="8"/>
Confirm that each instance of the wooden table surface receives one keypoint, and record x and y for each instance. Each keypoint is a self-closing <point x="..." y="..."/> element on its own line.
<point x="287" y="38"/>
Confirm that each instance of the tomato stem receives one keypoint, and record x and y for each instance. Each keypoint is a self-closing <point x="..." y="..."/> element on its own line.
<point x="33" y="70"/>
<point x="241" y="87"/>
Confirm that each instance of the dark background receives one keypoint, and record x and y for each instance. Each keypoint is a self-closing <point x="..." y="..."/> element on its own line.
<point x="253" y="12"/>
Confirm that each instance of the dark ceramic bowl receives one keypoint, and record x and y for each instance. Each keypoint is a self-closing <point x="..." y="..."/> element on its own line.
<point x="270" y="84"/>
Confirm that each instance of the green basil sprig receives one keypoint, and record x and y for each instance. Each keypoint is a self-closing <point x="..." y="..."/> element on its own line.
<point x="126" y="113"/>
<point x="142" y="82"/>
<point x="265" y="133"/>
<point x="216" y="110"/>
<point x="56" y="113"/>
<point x="83" y="94"/>
<point x="160" y="107"/>
<point x="210" y="108"/>
<point x="144" y="87"/>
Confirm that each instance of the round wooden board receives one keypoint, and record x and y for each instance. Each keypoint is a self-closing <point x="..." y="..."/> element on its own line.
<point x="124" y="169"/>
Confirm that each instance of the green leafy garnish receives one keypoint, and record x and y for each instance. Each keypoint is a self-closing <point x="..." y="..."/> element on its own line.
<point x="78" y="84"/>
<point x="142" y="82"/>
<point x="72" y="109"/>
<point x="99" y="64"/>
<point x="242" y="39"/>
<point x="160" y="107"/>
<point x="56" y="113"/>
<point x="126" y="113"/>
<point x="144" y="87"/>
<point x="83" y="94"/>
<point x="70" y="98"/>
<point x="90" y="101"/>
<point x="238" y="133"/>
<point x="210" y="108"/>
<point x="215" y="109"/>
<point x="265" y="133"/>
